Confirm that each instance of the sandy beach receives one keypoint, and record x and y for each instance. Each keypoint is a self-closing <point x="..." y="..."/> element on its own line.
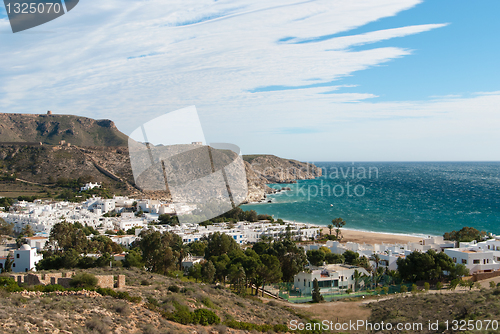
<point x="373" y="237"/>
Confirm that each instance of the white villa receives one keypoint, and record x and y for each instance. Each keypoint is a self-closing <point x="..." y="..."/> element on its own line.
<point x="331" y="278"/>
<point x="478" y="257"/>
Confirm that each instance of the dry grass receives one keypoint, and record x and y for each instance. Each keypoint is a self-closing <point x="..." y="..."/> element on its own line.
<point x="472" y="305"/>
<point x="108" y="315"/>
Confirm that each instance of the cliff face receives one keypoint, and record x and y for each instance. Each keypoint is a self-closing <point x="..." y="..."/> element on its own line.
<point x="46" y="164"/>
<point x="264" y="169"/>
<point x="51" y="129"/>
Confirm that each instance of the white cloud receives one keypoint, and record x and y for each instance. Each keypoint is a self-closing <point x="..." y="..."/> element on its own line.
<point x="132" y="60"/>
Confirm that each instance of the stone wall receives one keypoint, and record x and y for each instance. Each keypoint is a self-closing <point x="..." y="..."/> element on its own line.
<point x="64" y="281"/>
<point x="103" y="281"/>
<point x="120" y="283"/>
<point x="482" y="276"/>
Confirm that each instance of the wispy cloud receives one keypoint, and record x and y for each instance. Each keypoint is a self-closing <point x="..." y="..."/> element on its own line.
<point x="239" y="61"/>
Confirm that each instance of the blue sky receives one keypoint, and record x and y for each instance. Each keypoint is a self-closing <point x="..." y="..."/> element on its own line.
<point x="321" y="80"/>
<point x="461" y="58"/>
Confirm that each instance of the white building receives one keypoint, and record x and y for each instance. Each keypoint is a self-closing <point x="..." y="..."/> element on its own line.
<point x="37" y="242"/>
<point x="124" y="240"/>
<point x="90" y="186"/>
<point x="25" y="259"/>
<point x="191" y="261"/>
<point x="331" y="278"/>
<point x="475" y="259"/>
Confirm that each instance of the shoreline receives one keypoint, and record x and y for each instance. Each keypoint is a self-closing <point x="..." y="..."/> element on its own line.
<point x="370" y="237"/>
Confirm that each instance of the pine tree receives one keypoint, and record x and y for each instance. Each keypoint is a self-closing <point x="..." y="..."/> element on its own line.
<point x="8" y="264"/>
<point x="316" y="294"/>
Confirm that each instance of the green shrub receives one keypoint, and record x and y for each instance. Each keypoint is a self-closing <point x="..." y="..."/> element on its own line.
<point x="152" y="300"/>
<point x="9" y="284"/>
<point x="107" y="292"/>
<point x="439" y="286"/>
<point x="182" y="314"/>
<point x="120" y="295"/>
<point x="403" y="289"/>
<point x="207" y="302"/>
<point x="174" y="288"/>
<point x="205" y="317"/>
<point x="83" y="280"/>
<point x="52" y="288"/>
<point x="427" y="286"/>
<point x="255" y="327"/>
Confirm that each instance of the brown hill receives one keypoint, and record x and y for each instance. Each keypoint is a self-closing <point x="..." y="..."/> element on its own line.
<point x="51" y="129"/>
<point x="99" y="151"/>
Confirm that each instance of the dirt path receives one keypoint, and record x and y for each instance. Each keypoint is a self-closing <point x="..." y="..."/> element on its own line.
<point x="34" y="183"/>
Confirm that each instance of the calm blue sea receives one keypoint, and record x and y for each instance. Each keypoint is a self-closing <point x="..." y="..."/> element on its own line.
<point x="396" y="197"/>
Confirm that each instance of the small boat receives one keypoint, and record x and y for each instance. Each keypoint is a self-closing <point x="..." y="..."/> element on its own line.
<point x="331" y="204"/>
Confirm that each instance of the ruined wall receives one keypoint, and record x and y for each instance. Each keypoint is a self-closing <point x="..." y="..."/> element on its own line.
<point x="120" y="282"/>
<point x="103" y="281"/>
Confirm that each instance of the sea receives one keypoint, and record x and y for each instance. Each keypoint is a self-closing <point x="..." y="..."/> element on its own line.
<point x="412" y="198"/>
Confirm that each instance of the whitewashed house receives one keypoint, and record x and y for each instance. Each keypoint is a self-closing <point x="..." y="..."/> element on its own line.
<point x="331" y="278"/>
<point x="37" y="242"/>
<point x="475" y="259"/>
<point x="25" y="259"/>
<point x="191" y="261"/>
<point x="90" y="186"/>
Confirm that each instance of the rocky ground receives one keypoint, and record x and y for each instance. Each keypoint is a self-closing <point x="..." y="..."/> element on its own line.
<point x="90" y="312"/>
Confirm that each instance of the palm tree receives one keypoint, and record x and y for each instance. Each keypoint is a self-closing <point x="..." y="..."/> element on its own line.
<point x="338" y="223"/>
<point x="357" y="276"/>
<point x="182" y="251"/>
<point x="375" y="258"/>
<point x="330" y="227"/>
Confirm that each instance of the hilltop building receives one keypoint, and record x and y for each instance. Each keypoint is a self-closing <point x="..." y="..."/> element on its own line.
<point x="90" y="186"/>
<point x="25" y="259"/>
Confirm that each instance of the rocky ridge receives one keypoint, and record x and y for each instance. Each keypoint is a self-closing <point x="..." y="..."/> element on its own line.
<point x="31" y="147"/>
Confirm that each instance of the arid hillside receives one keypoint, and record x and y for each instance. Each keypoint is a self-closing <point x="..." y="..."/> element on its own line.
<point x="51" y="129"/>
<point x="96" y="149"/>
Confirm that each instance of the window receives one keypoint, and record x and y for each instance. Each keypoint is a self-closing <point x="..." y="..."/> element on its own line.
<point x="325" y="284"/>
<point x="476" y="261"/>
<point x="464" y="261"/>
<point x="1" y="265"/>
<point x="455" y="259"/>
<point x="17" y="255"/>
<point x="14" y="265"/>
